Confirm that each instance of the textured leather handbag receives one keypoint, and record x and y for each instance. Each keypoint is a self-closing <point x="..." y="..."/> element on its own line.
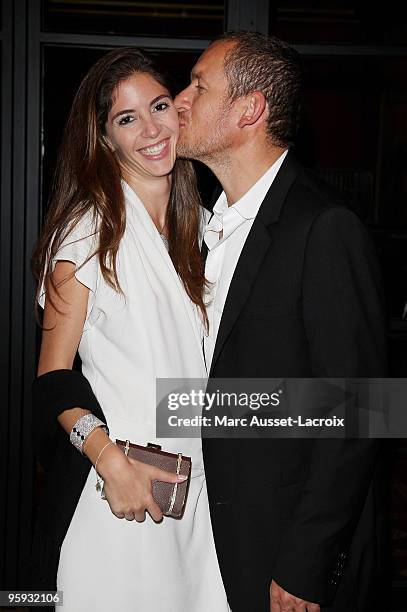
<point x="170" y="497"/>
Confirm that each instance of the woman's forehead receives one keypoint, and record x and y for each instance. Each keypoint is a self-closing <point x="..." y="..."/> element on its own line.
<point x="140" y="87"/>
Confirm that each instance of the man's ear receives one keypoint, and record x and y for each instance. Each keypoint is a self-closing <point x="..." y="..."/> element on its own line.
<point x="253" y="108"/>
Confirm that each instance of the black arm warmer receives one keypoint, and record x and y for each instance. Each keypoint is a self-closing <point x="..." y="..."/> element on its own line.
<point x="52" y="393"/>
<point x="65" y="469"/>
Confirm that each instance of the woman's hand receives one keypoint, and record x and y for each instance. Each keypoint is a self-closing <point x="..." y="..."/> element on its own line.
<point x="128" y="485"/>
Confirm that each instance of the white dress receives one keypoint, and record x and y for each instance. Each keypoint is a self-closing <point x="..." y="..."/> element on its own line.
<point x="153" y="331"/>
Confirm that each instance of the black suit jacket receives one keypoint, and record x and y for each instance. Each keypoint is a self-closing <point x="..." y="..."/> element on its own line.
<point x="305" y="301"/>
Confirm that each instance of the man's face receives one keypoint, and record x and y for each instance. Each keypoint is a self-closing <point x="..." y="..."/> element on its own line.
<point x="204" y="110"/>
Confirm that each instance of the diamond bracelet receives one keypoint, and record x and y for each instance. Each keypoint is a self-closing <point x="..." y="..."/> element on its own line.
<point x="83" y="427"/>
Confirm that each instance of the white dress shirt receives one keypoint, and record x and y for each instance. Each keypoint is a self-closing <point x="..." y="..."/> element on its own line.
<point x="223" y="253"/>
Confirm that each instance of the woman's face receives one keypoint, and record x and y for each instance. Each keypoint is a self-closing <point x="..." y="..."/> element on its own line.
<point x="142" y="127"/>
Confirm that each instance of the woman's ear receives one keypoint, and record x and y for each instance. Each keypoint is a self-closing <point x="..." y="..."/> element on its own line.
<point x="253" y="109"/>
<point x="106" y="140"/>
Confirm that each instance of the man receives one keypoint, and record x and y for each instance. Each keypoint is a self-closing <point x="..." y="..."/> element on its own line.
<point x="294" y="294"/>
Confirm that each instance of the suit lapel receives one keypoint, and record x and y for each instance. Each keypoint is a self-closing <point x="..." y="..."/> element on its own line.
<point x="254" y="251"/>
<point x="242" y="280"/>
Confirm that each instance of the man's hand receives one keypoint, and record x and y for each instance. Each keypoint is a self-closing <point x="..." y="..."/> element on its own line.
<point x="281" y="601"/>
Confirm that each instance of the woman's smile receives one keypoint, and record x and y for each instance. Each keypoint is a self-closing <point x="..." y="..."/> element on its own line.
<point x="157" y="151"/>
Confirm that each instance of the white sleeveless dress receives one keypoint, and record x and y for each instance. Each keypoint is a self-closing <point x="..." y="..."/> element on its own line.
<point x="153" y="331"/>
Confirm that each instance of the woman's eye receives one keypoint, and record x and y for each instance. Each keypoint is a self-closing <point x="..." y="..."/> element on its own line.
<point x="161" y="106"/>
<point x="126" y="119"/>
<point x="200" y="88"/>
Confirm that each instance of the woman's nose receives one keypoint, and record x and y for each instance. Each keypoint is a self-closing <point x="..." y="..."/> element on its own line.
<point x="151" y="128"/>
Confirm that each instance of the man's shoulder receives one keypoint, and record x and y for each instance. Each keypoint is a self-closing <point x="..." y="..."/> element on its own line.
<point x="303" y="193"/>
<point x="323" y="213"/>
<point x="311" y="197"/>
<point x="312" y="188"/>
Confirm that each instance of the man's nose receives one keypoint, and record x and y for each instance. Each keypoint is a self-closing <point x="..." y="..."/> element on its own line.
<point x="182" y="101"/>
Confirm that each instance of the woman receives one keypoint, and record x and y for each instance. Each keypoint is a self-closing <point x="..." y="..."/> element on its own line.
<point x="119" y="259"/>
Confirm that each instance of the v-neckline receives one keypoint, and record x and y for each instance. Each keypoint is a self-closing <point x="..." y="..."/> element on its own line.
<point x="189" y="306"/>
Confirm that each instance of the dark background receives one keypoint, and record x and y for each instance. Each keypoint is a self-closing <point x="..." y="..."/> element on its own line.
<point x="354" y="133"/>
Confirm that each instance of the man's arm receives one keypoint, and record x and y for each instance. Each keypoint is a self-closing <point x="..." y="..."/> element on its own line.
<point x="344" y="322"/>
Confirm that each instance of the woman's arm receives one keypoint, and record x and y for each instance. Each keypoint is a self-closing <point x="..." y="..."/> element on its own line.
<point x="63" y="323"/>
<point x="128" y="483"/>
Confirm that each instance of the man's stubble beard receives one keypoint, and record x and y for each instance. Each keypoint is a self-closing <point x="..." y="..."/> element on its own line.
<point x="212" y="150"/>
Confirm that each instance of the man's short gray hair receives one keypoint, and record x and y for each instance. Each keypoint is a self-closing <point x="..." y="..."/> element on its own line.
<point x="267" y="64"/>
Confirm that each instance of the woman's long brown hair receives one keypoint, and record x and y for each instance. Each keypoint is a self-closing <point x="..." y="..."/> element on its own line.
<point x="88" y="180"/>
